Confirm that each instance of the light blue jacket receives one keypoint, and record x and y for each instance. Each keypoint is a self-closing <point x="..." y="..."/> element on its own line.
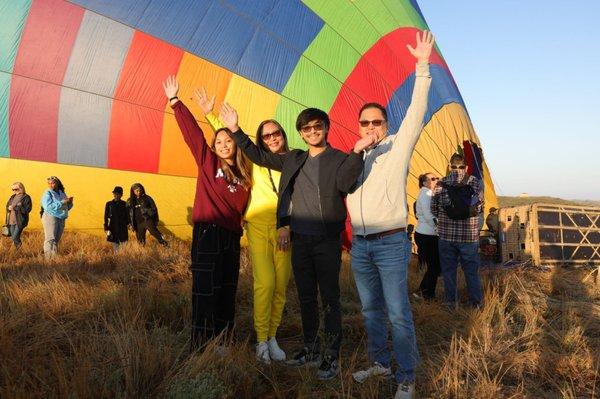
<point x="53" y="205"/>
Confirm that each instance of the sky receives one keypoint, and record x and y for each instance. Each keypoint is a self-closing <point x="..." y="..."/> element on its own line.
<point x="529" y="73"/>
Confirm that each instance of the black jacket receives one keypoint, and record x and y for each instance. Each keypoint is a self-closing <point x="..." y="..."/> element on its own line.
<point x="116" y="219"/>
<point x="22" y="210"/>
<point x="148" y="209"/>
<point x="338" y="173"/>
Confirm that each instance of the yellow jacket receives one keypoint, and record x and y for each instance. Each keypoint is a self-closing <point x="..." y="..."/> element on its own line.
<point x="262" y="206"/>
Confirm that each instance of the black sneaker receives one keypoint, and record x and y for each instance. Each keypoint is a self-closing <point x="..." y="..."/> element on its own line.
<point x="329" y="368"/>
<point x="304" y="356"/>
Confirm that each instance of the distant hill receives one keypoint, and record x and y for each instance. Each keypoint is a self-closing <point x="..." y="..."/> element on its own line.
<point x="518" y="201"/>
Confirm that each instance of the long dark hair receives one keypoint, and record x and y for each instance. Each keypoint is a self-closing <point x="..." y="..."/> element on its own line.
<point x="240" y="169"/>
<point x="59" y="186"/>
<point x="259" y="133"/>
<point x="132" y="194"/>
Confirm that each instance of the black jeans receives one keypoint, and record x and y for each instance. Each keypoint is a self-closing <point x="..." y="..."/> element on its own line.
<point x="215" y="269"/>
<point x="150" y="225"/>
<point x="316" y="262"/>
<point x="427" y="247"/>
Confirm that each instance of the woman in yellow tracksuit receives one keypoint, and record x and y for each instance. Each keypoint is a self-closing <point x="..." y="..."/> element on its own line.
<point x="269" y="247"/>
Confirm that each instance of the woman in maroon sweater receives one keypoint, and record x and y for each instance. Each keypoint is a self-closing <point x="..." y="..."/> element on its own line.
<point x="222" y="192"/>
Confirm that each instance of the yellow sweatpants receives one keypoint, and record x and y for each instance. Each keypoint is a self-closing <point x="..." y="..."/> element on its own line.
<point x="271" y="269"/>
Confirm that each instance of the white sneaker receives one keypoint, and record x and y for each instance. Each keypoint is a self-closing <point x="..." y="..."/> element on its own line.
<point x="275" y="351"/>
<point x="262" y="352"/>
<point x="375" y="370"/>
<point x="405" y="390"/>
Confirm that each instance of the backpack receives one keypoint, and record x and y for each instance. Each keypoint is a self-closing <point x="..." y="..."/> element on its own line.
<point x="463" y="200"/>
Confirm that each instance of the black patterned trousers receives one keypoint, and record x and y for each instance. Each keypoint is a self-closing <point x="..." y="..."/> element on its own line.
<point x="215" y="269"/>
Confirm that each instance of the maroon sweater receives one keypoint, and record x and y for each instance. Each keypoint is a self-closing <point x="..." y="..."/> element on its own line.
<point x="216" y="200"/>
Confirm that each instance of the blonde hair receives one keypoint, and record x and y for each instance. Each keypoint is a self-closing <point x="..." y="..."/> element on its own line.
<point x="20" y="185"/>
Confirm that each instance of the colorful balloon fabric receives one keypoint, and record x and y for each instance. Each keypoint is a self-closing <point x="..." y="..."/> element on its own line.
<point x="81" y="94"/>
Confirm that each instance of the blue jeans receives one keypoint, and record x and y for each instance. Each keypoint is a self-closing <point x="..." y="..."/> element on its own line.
<point x="450" y="255"/>
<point x="15" y="234"/>
<point x="380" y="269"/>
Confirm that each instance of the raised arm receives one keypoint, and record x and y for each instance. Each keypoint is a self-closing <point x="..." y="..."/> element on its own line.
<point x="410" y="129"/>
<point x="207" y="104"/>
<point x="256" y="154"/>
<point x="191" y="131"/>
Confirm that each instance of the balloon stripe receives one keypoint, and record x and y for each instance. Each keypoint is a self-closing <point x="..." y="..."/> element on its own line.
<point x="135" y="132"/>
<point x="39" y="69"/>
<point x="13" y="15"/>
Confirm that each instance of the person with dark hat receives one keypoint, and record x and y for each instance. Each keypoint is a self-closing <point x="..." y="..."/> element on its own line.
<point x="116" y="219"/>
<point x="143" y="215"/>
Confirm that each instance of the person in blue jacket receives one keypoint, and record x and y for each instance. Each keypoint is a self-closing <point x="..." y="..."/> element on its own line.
<point x="55" y="210"/>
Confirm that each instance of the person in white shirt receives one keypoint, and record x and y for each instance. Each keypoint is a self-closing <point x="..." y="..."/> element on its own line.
<point x="426" y="236"/>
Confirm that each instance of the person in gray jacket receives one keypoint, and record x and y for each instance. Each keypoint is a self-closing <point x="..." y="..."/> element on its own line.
<point x="380" y="246"/>
<point x="17" y="212"/>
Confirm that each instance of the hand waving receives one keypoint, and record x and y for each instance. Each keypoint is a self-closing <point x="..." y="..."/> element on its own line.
<point x="229" y="117"/>
<point x="422" y="51"/>
<point x="171" y="86"/>
<point x="205" y="103"/>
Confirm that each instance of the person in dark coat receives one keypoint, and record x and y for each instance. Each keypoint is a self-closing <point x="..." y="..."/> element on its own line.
<point x="143" y="215"/>
<point x="17" y="212"/>
<point x="116" y="219"/>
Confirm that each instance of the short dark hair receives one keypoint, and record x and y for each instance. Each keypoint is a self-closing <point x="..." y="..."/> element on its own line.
<point x="311" y="114"/>
<point x="457" y="158"/>
<point x="374" y="105"/>
<point x="423" y="179"/>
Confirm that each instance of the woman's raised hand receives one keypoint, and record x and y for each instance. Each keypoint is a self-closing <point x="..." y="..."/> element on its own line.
<point x="171" y="86"/>
<point x="205" y="103"/>
<point x="229" y="117"/>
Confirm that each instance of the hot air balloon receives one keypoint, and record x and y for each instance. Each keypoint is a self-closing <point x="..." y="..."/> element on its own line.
<point x="81" y="94"/>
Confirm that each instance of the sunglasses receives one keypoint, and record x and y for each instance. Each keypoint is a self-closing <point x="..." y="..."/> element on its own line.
<point x="272" y="135"/>
<point x="376" y="123"/>
<point x="15" y="189"/>
<point x="457" y="167"/>
<point x="317" y="127"/>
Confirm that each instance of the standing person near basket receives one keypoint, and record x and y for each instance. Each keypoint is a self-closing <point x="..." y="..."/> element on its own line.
<point x="222" y="191"/>
<point x="17" y="212"/>
<point x="143" y="215"/>
<point x="457" y="204"/>
<point x="268" y="245"/>
<point x="380" y="246"/>
<point x="116" y="219"/>
<point x="311" y="192"/>
<point x="426" y="236"/>
<point x="55" y="210"/>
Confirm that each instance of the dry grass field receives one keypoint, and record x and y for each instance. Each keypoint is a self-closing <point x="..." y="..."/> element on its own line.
<point x="92" y="324"/>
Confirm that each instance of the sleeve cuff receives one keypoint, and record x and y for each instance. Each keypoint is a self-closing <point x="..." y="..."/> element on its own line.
<point x="422" y="70"/>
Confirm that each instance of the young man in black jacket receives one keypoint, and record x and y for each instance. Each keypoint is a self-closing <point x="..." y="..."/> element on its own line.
<point x="312" y="189"/>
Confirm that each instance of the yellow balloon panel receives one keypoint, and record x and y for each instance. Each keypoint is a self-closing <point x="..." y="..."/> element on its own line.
<point x="253" y="102"/>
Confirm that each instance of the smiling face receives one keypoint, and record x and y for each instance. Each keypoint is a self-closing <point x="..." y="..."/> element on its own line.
<point x="272" y="136"/>
<point x="224" y="146"/>
<point x="314" y="133"/>
<point x="372" y="122"/>
<point x="51" y="184"/>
